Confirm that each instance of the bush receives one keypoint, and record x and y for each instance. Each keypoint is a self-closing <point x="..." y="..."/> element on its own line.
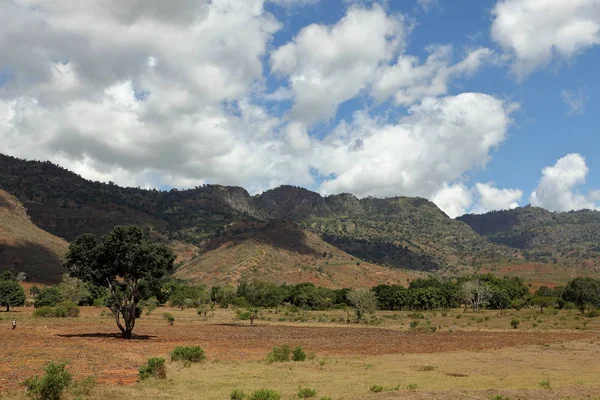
<point x="306" y="393"/>
<point x="84" y="387"/>
<point x="62" y="310"/>
<point x="188" y="353"/>
<point x="594" y="313"/>
<point x="169" y="318"/>
<point x="48" y="297"/>
<point x="237" y="395"/>
<point x="155" y="368"/>
<point x="44" y="312"/>
<point x="376" y="388"/>
<point x="245" y="315"/>
<point x="515" y="323"/>
<point x="265" y="394"/>
<point x="298" y="354"/>
<point x="279" y="354"/>
<point x="52" y="385"/>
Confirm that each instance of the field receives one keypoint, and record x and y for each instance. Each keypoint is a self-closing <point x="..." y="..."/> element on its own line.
<point x="454" y="354"/>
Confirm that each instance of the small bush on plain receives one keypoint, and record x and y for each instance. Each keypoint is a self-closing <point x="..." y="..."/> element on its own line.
<point x="52" y="385"/>
<point x="279" y="354"/>
<point x="237" y="395"/>
<point x="193" y="354"/>
<point x="515" y="323"/>
<point x="298" y="354"/>
<point x="265" y="394"/>
<point x="155" y="368"/>
<point x="306" y="393"/>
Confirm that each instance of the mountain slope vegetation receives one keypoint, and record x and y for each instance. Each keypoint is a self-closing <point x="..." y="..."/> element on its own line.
<point x="26" y="248"/>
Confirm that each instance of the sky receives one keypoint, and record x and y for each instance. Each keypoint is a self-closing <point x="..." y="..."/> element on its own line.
<point x="477" y="105"/>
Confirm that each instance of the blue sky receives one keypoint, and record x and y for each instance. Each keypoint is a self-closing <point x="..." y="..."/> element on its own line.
<point x="479" y="106"/>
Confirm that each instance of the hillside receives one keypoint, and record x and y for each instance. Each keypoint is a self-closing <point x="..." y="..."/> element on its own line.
<point x="282" y="252"/>
<point x="548" y="237"/>
<point x="398" y="232"/>
<point x="26" y="248"/>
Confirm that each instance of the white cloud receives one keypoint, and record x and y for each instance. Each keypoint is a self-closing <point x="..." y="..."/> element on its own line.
<point x="437" y="143"/>
<point x="427" y="5"/>
<point x="454" y="200"/>
<point x="294" y="3"/>
<point x="146" y="94"/>
<point x="535" y="32"/>
<point x="557" y="189"/>
<point x="575" y="100"/>
<point x="491" y="198"/>
<point x="410" y="82"/>
<point x="327" y="65"/>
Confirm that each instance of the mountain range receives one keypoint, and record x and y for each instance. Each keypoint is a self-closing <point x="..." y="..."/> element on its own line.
<point x="222" y="233"/>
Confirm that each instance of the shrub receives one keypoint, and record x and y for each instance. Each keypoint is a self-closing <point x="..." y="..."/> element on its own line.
<point x="44" y="312"/>
<point x="298" y="354"/>
<point x="84" y="387"/>
<point x="245" y="315"/>
<point x="67" y="307"/>
<point x="515" y="323"/>
<point x="545" y="384"/>
<point x="376" y="388"/>
<point x="594" y="313"/>
<point x="48" y="297"/>
<point x="169" y="318"/>
<point x="188" y="353"/>
<point x="306" y="393"/>
<point x="412" y="386"/>
<point x="237" y="395"/>
<point x="155" y="368"/>
<point x="279" y="354"/>
<point x="52" y="385"/>
<point x="414" y="324"/>
<point x="265" y="394"/>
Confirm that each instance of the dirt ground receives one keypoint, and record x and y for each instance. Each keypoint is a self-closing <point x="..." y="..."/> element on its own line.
<point x="92" y="347"/>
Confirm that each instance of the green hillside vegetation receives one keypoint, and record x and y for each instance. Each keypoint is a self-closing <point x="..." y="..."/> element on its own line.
<point x="568" y="238"/>
<point x="26" y="248"/>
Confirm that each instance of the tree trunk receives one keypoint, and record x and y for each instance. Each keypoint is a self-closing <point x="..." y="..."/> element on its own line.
<point x="7" y="308"/>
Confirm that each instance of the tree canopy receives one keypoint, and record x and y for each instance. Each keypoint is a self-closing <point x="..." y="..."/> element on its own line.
<point x="11" y="292"/>
<point x="121" y="262"/>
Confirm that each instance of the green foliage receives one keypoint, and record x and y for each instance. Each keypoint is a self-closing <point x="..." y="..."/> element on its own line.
<point x="11" y="294"/>
<point x="237" y="394"/>
<point x="279" y="354"/>
<point x="515" y="323"/>
<point x="306" y="393"/>
<point x="73" y="289"/>
<point x="84" y="387"/>
<point x="62" y="310"/>
<point x="364" y="301"/>
<point x="193" y="354"/>
<point x="583" y="292"/>
<point x="265" y="394"/>
<point x="154" y="368"/>
<point x="376" y="388"/>
<point x="545" y="384"/>
<point x="122" y="261"/>
<point x="48" y="297"/>
<point x="298" y="354"/>
<point x="169" y="318"/>
<point x="261" y="293"/>
<point x="52" y="385"/>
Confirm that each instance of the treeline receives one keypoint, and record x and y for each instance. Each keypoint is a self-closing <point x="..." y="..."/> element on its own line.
<point x="433" y="293"/>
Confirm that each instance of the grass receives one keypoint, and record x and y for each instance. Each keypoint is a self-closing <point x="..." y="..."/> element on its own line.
<point x="566" y="365"/>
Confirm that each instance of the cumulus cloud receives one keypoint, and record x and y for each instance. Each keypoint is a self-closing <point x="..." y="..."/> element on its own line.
<point x="440" y="140"/>
<point x="491" y="198"/>
<point x="454" y="200"/>
<point x="535" y="32"/>
<point x="327" y="65"/>
<point x="408" y="81"/>
<point x="575" y="101"/>
<point x="557" y="189"/>
<point x="148" y="94"/>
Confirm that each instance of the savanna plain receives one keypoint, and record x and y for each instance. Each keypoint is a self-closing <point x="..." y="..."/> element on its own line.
<point x="454" y="354"/>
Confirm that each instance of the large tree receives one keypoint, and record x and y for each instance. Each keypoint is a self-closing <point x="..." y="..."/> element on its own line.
<point x="122" y="261"/>
<point x="11" y="292"/>
<point x="584" y="292"/>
